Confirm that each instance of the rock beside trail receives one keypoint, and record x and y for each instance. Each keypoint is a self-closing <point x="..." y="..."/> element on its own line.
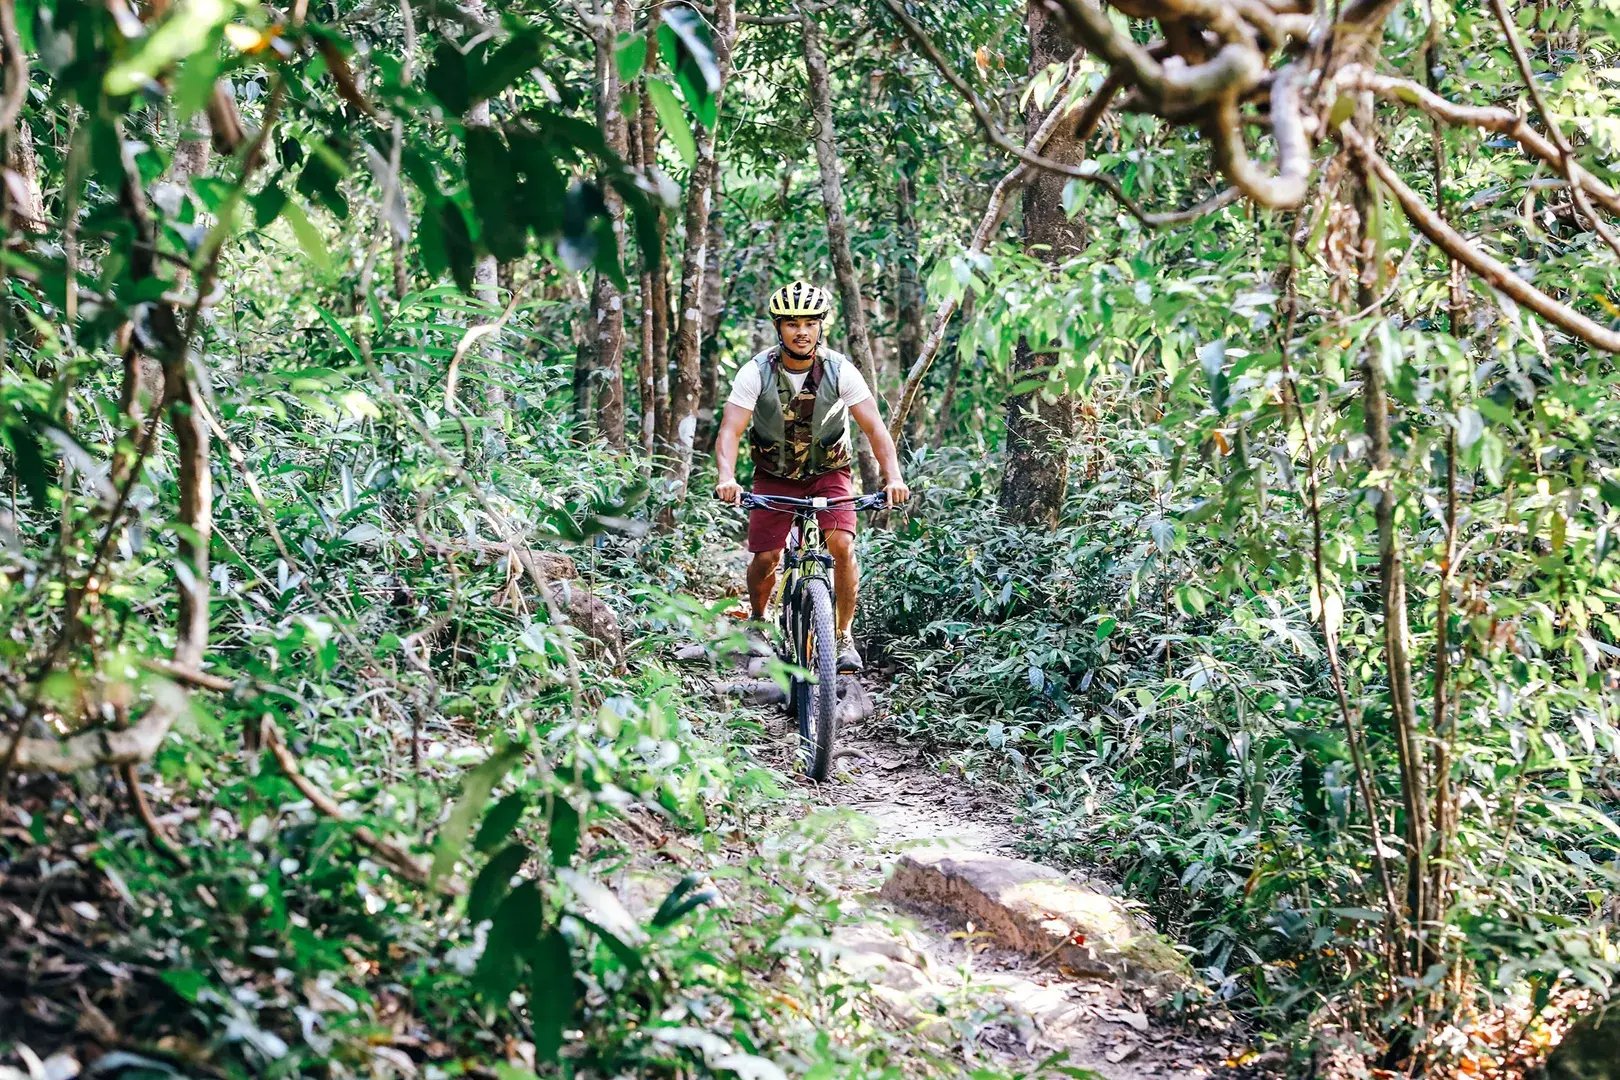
<point x="588" y="613"/>
<point x="1590" y="1050"/>
<point x="854" y="702"/>
<point x="756" y="691"/>
<point x="1035" y="909"/>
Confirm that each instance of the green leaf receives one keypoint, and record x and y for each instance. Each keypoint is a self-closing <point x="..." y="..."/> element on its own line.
<point x="631" y="55"/>
<point x="686" y="35"/>
<point x="475" y="793"/>
<point x="684" y="897"/>
<point x="458" y="250"/>
<point x="340" y="333"/>
<point x="1105" y="627"/>
<point x="553" y="993"/>
<point x="514" y="59"/>
<point x="563" y="835"/>
<point x="492" y="881"/>
<point x="309" y="237"/>
<point x="184" y="33"/>
<point x="500" y="821"/>
<point x="596" y="905"/>
<point x="515" y="926"/>
<point x="187" y="982"/>
<point x="447" y="79"/>
<point x="267" y="204"/>
<point x="491" y="182"/>
<point x="673" y="119"/>
<point x="22" y="434"/>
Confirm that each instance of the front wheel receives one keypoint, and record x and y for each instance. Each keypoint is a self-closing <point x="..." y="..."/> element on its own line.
<point x="816" y="704"/>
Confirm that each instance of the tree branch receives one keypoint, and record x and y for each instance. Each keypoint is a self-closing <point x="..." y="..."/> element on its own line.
<point x="1093" y="175"/>
<point x="1501" y="121"/>
<point x="389" y="854"/>
<point x="1493" y="272"/>
<point x="994" y="212"/>
<point x="1566" y="156"/>
<point x="1287" y="189"/>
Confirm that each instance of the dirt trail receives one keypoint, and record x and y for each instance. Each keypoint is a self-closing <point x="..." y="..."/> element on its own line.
<point x="922" y="960"/>
<point x="1103" y="1025"/>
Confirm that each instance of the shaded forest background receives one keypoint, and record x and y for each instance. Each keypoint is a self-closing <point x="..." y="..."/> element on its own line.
<point x="1252" y="360"/>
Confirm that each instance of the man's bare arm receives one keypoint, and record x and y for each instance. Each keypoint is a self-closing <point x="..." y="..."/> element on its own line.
<point x="733" y="422"/>
<point x="866" y="415"/>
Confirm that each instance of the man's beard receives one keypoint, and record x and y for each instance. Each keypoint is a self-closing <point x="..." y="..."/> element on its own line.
<point x="796" y="355"/>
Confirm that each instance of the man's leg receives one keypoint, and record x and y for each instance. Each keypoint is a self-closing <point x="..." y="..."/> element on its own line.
<point x="762" y="580"/>
<point x="846" y="578"/>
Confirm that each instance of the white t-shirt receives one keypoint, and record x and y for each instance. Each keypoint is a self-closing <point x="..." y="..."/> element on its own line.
<point x="852" y="389"/>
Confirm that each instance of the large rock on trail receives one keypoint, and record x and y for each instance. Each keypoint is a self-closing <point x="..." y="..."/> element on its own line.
<point x="1035" y="909"/>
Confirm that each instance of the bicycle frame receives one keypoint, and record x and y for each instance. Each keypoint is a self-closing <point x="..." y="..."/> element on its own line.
<point x="807" y="615"/>
<point x="805" y="545"/>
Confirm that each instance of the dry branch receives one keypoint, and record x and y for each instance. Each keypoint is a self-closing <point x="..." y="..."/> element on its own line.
<point x="994" y="212"/>
<point x="389" y="854"/>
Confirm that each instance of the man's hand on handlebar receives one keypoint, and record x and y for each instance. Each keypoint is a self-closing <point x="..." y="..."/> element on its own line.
<point x="728" y="491"/>
<point x="897" y="491"/>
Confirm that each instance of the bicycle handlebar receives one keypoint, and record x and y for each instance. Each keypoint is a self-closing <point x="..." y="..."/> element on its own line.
<point x="875" y="501"/>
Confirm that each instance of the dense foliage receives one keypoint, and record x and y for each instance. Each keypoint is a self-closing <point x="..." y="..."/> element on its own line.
<point x="362" y="364"/>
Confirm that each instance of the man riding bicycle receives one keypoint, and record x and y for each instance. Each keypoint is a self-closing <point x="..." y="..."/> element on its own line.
<point x="795" y="400"/>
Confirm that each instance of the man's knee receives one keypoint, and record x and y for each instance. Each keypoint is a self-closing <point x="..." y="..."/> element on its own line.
<point x="840" y="545"/>
<point x="765" y="562"/>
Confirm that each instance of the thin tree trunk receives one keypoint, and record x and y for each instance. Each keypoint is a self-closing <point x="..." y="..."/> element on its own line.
<point x="1376" y="408"/>
<point x="191" y="149"/>
<point x="953" y="378"/>
<point x="852" y="309"/>
<point x="684" y="396"/>
<point x="1039" y="428"/>
<point x="655" y="276"/>
<point x="766" y="281"/>
<point x="709" y="362"/>
<point x="908" y="293"/>
<point x="646" y="421"/>
<point x="607" y="302"/>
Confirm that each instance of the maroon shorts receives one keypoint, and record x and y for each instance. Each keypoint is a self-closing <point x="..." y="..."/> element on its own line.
<point x="768" y="529"/>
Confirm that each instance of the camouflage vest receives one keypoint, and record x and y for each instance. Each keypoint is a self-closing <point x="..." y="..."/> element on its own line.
<point x="795" y="436"/>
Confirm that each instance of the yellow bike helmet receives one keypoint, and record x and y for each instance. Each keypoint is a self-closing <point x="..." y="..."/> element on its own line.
<point x="800" y="299"/>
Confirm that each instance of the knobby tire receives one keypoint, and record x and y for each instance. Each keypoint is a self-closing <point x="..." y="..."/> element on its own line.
<point x="817" y="702"/>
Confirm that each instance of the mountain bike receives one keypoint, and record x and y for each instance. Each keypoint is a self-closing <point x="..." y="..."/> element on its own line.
<point x="804" y="597"/>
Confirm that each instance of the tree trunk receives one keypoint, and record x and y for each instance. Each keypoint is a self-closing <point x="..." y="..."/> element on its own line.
<point x="684" y="396"/>
<point x="908" y="293"/>
<point x="709" y="361"/>
<point x="851" y="307"/>
<point x="655" y="273"/>
<point x="1040" y="428"/>
<point x="1403" y="720"/>
<point x="607" y="302"/>
<point x="766" y="281"/>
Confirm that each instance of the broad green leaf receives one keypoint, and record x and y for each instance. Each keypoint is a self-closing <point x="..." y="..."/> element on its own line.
<point x="493" y="880"/>
<point x="673" y="119"/>
<point x="553" y="993"/>
<point x="562" y="838"/>
<point x="309" y="237"/>
<point x="187" y="30"/>
<point x="500" y="821"/>
<point x="474" y="795"/>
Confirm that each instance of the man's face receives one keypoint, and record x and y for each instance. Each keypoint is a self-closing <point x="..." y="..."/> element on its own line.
<point x="799" y="335"/>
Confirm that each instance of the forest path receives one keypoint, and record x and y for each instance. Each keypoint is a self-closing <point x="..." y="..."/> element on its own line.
<point x="926" y="960"/>
<point x="1032" y="1009"/>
